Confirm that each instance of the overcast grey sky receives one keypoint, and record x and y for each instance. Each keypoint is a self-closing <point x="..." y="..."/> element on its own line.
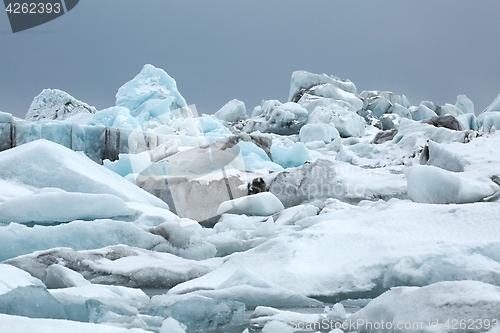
<point x="223" y="49"/>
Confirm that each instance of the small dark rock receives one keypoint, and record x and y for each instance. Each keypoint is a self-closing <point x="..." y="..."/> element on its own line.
<point x="258" y="185"/>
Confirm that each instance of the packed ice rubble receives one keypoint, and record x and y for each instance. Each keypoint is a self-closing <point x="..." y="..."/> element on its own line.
<point x="358" y="196"/>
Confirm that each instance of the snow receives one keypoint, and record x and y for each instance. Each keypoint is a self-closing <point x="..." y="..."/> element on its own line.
<point x="232" y="111"/>
<point x="55" y="104"/>
<point x="260" y="204"/>
<point x="438" y="306"/>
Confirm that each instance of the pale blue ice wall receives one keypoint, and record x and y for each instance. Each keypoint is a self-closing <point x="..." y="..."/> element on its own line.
<point x="97" y="142"/>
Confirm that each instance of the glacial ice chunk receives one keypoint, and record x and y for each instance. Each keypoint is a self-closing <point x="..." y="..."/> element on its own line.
<point x="347" y="122"/>
<point x="54" y="205"/>
<point x="292" y="156"/>
<point x="18" y="239"/>
<point x="494" y="106"/>
<point x="274" y="117"/>
<point x="170" y="325"/>
<point x="303" y="82"/>
<point x="429" y="184"/>
<point x="260" y="204"/>
<point x="150" y="84"/>
<point x="423" y="112"/>
<point x="46" y="164"/>
<point x="319" y="132"/>
<point x="232" y="112"/>
<point x="55" y="104"/>
<point x="464" y="104"/>
<point x="12" y="277"/>
<point x="31" y="301"/>
<point x="59" y="276"/>
<point x="197" y="312"/>
<point x="432" y="307"/>
<point x="116" y="116"/>
<point x="490" y="121"/>
<point x="243" y="286"/>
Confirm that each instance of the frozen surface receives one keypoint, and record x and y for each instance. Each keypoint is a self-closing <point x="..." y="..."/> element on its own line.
<point x="371" y="248"/>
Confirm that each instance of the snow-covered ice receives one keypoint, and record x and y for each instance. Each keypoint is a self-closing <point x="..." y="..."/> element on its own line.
<point x="52" y="104"/>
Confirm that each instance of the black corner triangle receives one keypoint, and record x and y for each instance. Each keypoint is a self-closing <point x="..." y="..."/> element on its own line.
<point x="70" y="4"/>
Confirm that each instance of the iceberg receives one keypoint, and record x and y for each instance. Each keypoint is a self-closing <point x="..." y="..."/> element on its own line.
<point x="151" y="87"/>
<point x="55" y="104"/>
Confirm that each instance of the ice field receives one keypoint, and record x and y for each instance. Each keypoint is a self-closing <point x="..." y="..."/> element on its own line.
<point x="334" y="211"/>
